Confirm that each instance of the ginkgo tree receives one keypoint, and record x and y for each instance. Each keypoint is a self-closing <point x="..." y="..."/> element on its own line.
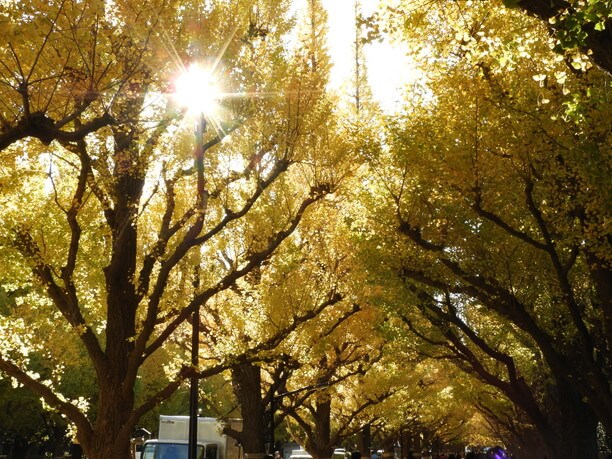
<point x="305" y="294"/>
<point x="495" y="214"/>
<point x="340" y="362"/>
<point x="298" y="296"/>
<point x="110" y="233"/>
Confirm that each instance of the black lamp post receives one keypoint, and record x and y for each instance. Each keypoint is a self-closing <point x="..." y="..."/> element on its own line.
<point x="196" y="91"/>
<point x="195" y="320"/>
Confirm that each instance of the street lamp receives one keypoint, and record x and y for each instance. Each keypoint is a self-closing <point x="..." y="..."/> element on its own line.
<point x="195" y="90"/>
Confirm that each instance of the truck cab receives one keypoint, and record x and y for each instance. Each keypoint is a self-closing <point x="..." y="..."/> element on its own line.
<point x="176" y="449"/>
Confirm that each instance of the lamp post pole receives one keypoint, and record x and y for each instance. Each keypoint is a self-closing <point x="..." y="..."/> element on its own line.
<point x="195" y="320"/>
<point x="272" y="410"/>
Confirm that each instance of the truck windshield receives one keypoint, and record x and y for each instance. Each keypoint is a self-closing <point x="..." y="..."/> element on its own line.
<point x="168" y="451"/>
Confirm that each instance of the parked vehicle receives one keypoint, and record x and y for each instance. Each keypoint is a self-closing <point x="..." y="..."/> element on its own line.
<point x="300" y="454"/>
<point x="341" y="453"/>
<point x="173" y="440"/>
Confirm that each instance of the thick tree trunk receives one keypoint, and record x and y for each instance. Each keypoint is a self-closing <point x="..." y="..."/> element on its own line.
<point x="321" y="446"/>
<point x="246" y="379"/>
<point x="112" y="431"/>
<point x="577" y="425"/>
<point x="388" y="446"/>
<point x="527" y="444"/>
<point x="602" y="280"/>
<point x="363" y="441"/>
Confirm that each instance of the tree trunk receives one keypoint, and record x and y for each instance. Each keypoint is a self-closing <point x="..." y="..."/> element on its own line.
<point x="577" y="425"/>
<point x="388" y="446"/>
<point x="363" y="442"/>
<point x="111" y="433"/>
<point x="320" y="446"/>
<point x="246" y="379"/>
<point x="112" y="429"/>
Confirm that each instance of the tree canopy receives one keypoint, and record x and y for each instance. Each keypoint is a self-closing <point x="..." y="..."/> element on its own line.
<point x="112" y="233"/>
<point x="494" y="190"/>
<point x="442" y="271"/>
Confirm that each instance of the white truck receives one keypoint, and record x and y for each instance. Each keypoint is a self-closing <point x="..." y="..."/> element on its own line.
<point x="173" y="439"/>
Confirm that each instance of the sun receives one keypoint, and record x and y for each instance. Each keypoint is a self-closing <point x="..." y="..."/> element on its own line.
<point x="197" y="90"/>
